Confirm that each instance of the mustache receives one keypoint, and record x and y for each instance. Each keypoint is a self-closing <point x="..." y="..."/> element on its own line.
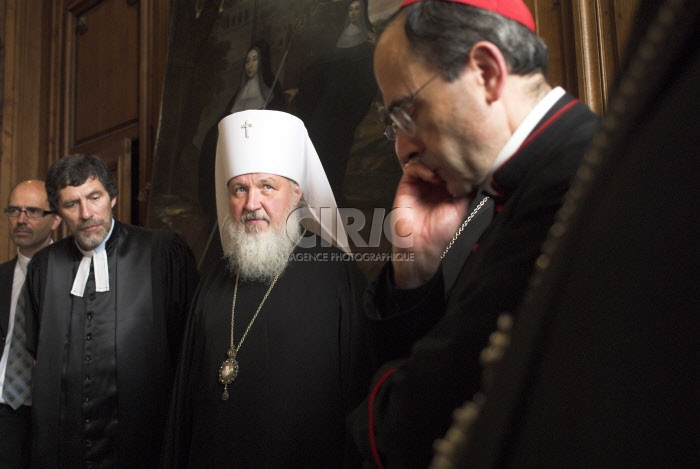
<point x="255" y="215"/>
<point x="90" y="222"/>
<point x="22" y="229"/>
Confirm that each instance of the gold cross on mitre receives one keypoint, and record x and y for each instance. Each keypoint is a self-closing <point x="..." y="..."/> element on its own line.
<point x="245" y="127"/>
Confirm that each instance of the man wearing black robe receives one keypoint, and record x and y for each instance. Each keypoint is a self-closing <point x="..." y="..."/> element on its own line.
<point x="601" y="367"/>
<point x="472" y="113"/>
<point x="296" y="327"/>
<point x="107" y="307"/>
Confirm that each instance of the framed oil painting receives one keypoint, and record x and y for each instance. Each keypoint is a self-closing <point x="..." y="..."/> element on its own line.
<point x="310" y="58"/>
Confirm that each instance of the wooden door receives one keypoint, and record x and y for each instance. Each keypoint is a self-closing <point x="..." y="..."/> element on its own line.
<point x="101" y="51"/>
<point x="81" y="76"/>
<point x="108" y="61"/>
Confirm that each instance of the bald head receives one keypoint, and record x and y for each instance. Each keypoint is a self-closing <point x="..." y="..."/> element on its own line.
<point x="30" y="234"/>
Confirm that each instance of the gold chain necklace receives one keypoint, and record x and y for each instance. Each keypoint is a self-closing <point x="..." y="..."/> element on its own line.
<point x="464" y="225"/>
<point x="229" y="368"/>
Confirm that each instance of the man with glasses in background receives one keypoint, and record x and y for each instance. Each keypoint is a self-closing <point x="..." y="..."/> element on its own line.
<point x="475" y="123"/>
<point x="31" y="224"/>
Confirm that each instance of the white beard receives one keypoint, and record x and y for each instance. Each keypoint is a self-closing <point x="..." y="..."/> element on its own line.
<point x="258" y="256"/>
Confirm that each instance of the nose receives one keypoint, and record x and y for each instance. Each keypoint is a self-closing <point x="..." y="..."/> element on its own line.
<point x="252" y="201"/>
<point x="85" y="212"/>
<point x="406" y="147"/>
<point x="22" y="218"/>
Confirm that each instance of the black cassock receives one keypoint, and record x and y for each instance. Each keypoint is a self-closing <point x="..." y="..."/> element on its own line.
<point x="301" y="368"/>
<point x="105" y="361"/>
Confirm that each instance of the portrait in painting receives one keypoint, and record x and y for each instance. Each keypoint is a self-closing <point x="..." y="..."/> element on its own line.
<point x="337" y="91"/>
<point x="255" y="90"/>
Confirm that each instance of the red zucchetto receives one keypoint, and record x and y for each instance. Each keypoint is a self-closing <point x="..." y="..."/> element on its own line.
<point x="515" y="10"/>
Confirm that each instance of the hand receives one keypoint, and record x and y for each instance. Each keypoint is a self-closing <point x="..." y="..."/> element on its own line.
<point x="431" y="216"/>
<point x="290" y="94"/>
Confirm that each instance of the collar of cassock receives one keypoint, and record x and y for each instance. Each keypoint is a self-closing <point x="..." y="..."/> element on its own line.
<point x="99" y="256"/>
<point x="521" y="133"/>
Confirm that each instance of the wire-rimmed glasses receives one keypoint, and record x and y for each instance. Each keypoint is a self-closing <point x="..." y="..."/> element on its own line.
<point x="400" y="114"/>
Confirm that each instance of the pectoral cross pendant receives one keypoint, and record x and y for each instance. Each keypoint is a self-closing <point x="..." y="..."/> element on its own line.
<point x="228" y="371"/>
<point x="245" y="128"/>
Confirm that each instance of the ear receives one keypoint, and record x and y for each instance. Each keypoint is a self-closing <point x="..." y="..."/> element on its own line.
<point x="114" y="201"/>
<point x="491" y="66"/>
<point x="57" y="221"/>
<point x="296" y="193"/>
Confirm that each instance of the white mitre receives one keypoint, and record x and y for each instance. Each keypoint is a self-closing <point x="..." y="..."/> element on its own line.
<point x="274" y="142"/>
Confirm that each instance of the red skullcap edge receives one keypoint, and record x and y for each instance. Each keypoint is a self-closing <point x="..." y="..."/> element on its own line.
<point x="515" y="10"/>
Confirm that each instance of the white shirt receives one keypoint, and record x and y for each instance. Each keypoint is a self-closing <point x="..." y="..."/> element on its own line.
<point x="17" y="284"/>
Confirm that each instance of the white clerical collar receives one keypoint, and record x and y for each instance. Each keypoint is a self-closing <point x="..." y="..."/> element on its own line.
<point x="521" y="133"/>
<point x="99" y="255"/>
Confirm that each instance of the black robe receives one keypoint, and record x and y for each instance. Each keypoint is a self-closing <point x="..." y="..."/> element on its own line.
<point x="603" y="364"/>
<point x="430" y="345"/>
<point x="302" y="368"/>
<point x="105" y="362"/>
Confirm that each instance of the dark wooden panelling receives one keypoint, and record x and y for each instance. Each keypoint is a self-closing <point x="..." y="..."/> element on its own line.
<point x="106" y="67"/>
<point x="553" y="22"/>
<point x="586" y="41"/>
<point x="25" y="39"/>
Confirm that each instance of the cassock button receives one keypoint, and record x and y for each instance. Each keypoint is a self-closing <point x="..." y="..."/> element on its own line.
<point x="88" y="337"/>
<point x="89" y="316"/>
<point x="91" y="297"/>
<point x="86" y="399"/>
<point x="87" y="358"/>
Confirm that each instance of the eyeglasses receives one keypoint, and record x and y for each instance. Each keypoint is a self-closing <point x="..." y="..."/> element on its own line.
<point x="30" y="212"/>
<point x="400" y="114"/>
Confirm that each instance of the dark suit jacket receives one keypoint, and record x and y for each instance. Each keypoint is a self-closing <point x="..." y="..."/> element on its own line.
<point x="7" y="274"/>
<point x="14" y="425"/>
